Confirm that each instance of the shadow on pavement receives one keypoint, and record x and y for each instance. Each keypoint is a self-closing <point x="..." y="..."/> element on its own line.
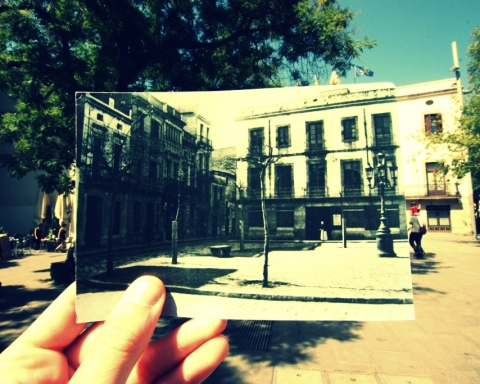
<point x="4" y="264"/>
<point x="425" y="264"/>
<point x="20" y="306"/>
<point x="170" y="275"/>
<point x="418" y="289"/>
<point x="291" y="344"/>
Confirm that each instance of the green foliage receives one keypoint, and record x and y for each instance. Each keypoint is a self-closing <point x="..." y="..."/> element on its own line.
<point x="53" y="48"/>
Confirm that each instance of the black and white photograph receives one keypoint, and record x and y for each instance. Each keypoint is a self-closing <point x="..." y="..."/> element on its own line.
<point x="274" y="204"/>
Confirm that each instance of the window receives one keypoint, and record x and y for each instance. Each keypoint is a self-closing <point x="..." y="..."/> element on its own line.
<point x="155" y="129"/>
<point x="285" y="218"/>
<point x="352" y="177"/>
<point x="283" y="179"/>
<point x="354" y="218"/>
<point x="99" y="117"/>
<point x="96" y="155"/>
<point x="117" y="157"/>
<point x="117" y="218"/>
<point x="141" y="122"/>
<point x="349" y="129"/>
<point x="172" y="134"/>
<point x="316" y="178"/>
<point x="119" y="127"/>
<point x="137" y="217"/>
<point x="435" y="179"/>
<point x="382" y="124"/>
<point x="438" y="218"/>
<point x="255" y="217"/>
<point x="254" y="180"/>
<point x="256" y="141"/>
<point x="433" y="123"/>
<point x="283" y="137"/>
<point x="372" y="217"/>
<point x="153" y="170"/>
<point x="315" y="135"/>
<point x="168" y="169"/>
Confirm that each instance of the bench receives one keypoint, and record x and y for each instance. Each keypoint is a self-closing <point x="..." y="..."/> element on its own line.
<point x="221" y="250"/>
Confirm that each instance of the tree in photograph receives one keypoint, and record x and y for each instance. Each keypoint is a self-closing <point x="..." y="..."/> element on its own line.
<point x="262" y="158"/>
<point x="463" y="143"/>
<point x="51" y="49"/>
<point x="111" y="160"/>
<point x="180" y="180"/>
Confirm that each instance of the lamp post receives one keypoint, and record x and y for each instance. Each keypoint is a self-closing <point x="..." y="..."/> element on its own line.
<point x="378" y="178"/>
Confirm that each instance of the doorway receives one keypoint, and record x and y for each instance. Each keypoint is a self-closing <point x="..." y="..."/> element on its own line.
<point x="313" y="217"/>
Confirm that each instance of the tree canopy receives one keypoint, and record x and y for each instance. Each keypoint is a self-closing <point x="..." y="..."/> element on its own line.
<point x="463" y="142"/>
<point x="53" y="48"/>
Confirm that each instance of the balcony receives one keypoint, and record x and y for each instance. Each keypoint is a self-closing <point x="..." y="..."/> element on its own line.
<point x="203" y="140"/>
<point x="315" y="147"/>
<point x="439" y="191"/>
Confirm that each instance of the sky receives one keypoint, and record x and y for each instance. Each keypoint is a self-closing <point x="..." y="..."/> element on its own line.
<point x="414" y="38"/>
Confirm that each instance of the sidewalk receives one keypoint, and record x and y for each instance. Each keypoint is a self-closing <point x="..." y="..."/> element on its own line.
<point x="26" y="292"/>
<point x="442" y="345"/>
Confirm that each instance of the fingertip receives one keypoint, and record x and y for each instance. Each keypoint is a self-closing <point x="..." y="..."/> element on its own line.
<point x="146" y="290"/>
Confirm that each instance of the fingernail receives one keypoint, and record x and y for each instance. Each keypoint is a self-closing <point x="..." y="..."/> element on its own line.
<point x="145" y="290"/>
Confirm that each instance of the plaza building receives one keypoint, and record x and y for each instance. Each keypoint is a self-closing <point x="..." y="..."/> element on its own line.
<point x="428" y="109"/>
<point x="316" y="149"/>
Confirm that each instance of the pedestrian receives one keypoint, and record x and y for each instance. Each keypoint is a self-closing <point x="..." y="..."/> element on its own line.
<point x="413" y="208"/>
<point x="417" y="229"/>
<point x="37" y="237"/>
<point x="55" y="348"/>
<point x="62" y="238"/>
<point x="323" y="232"/>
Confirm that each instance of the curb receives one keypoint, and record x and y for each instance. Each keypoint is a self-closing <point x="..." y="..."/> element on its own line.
<point x="256" y="296"/>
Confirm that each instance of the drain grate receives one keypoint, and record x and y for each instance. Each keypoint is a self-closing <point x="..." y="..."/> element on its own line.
<point x="251" y="335"/>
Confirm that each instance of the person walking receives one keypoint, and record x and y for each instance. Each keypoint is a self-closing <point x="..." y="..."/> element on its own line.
<point x="62" y="238"/>
<point x="417" y="229"/>
<point x="37" y="237"/>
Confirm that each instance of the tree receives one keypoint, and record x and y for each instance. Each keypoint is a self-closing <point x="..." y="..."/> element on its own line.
<point x="463" y="143"/>
<point x="262" y="158"/>
<point x="51" y="49"/>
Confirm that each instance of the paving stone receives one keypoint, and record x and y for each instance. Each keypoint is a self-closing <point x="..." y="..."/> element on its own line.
<point x="296" y="376"/>
<point x="353" y="378"/>
<point x="394" y="379"/>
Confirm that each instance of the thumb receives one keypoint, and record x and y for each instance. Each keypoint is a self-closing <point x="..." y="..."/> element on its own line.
<point x="124" y="335"/>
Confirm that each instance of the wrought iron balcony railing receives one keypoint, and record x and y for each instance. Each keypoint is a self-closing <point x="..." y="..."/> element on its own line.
<point x="316" y="192"/>
<point x="431" y="190"/>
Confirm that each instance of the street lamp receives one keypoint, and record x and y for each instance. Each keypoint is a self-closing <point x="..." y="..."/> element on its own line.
<point x="378" y="178"/>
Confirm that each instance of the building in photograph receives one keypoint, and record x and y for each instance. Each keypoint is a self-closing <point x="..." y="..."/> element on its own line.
<point x="321" y="147"/>
<point x="138" y="170"/>
<point x="225" y="191"/>
<point x="447" y="202"/>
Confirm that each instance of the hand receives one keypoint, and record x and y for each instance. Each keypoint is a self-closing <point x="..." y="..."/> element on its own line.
<point x="55" y="349"/>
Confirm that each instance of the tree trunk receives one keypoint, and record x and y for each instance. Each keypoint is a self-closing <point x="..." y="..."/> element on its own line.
<point x="111" y="219"/>
<point x="265" y="230"/>
<point x="175" y="229"/>
<point x="174" y="242"/>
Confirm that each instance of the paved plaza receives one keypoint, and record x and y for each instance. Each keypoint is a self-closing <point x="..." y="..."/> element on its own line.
<point x="328" y="282"/>
<point x="442" y="344"/>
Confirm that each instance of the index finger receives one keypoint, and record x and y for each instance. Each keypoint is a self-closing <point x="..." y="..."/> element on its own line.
<point x="56" y="328"/>
<point x="120" y="341"/>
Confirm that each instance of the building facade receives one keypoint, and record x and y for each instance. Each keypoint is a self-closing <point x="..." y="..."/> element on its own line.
<point x="319" y="148"/>
<point x="137" y="171"/>
<point x="447" y="202"/>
